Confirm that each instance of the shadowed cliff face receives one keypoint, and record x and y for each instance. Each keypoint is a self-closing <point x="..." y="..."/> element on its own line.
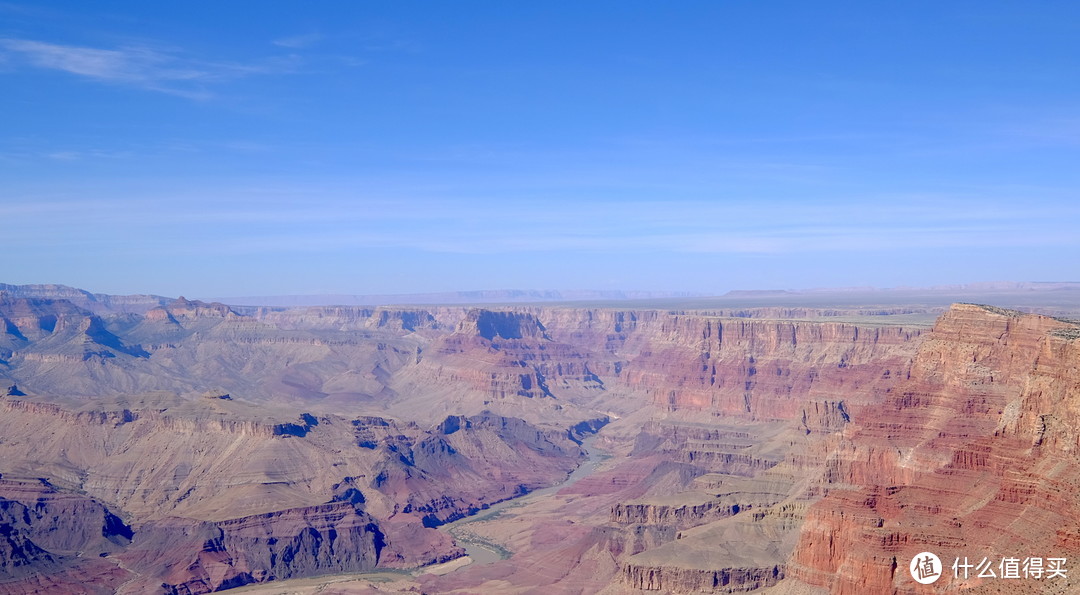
<point x="50" y="539"/>
<point x="503" y="325"/>
<point x="748" y="451"/>
<point x="202" y="557"/>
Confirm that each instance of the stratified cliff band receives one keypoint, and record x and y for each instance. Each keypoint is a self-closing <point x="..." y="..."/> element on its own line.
<point x="184" y="447"/>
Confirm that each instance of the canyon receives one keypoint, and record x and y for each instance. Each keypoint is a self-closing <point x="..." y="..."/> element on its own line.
<point x="153" y="445"/>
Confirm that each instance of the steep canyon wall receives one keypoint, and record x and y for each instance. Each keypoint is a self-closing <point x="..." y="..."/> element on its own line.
<point x="822" y="452"/>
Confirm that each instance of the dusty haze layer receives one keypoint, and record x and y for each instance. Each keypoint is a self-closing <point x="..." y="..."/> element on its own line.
<point x="149" y="445"/>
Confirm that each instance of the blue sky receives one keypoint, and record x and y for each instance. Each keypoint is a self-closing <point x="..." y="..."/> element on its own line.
<point x="389" y="147"/>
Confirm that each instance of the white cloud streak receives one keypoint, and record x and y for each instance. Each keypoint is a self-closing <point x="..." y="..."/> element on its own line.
<point x="341" y="225"/>
<point x="138" y="66"/>
<point x="298" y="41"/>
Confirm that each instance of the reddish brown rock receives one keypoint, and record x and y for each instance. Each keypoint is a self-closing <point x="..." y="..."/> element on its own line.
<point x="727" y="428"/>
<point x="964" y="459"/>
<point x="43" y="533"/>
<point x="186" y="556"/>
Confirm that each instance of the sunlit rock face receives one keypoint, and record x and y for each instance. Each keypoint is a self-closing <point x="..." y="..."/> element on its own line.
<point x="194" y="447"/>
<point x="973" y="456"/>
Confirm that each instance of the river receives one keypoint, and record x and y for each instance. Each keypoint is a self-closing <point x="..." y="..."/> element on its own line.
<point x="481" y="551"/>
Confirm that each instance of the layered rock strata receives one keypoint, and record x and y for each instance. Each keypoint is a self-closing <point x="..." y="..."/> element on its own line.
<point x="972" y="457"/>
<point x="270" y="444"/>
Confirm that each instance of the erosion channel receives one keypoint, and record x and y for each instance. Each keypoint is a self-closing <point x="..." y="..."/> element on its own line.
<point x="482" y="551"/>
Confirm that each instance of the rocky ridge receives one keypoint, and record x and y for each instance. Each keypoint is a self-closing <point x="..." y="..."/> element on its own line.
<point x="970" y="457"/>
<point x="349" y="433"/>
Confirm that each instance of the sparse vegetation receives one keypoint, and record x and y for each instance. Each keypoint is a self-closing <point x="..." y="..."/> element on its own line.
<point x="470" y="538"/>
<point x="997" y="310"/>
<point x="1069" y="334"/>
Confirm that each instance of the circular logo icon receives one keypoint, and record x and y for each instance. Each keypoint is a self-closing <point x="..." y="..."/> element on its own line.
<point x="925" y="568"/>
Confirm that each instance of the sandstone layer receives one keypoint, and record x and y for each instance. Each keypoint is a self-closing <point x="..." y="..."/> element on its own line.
<point x="190" y="447"/>
<point x="975" y="456"/>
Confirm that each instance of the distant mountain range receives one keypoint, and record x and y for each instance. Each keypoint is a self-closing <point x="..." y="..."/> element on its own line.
<point x="483" y="296"/>
<point x="518" y="296"/>
<point x="196" y="446"/>
<point x="97" y="303"/>
<point x="140" y="303"/>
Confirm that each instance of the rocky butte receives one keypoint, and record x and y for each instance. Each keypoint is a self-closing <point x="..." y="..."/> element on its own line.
<point x="150" y="445"/>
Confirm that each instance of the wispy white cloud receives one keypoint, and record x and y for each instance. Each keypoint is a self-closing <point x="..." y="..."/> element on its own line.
<point x="24" y="156"/>
<point x="393" y="45"/>
<point x="317" y="223"/>
<point x="26" y="10"/>
<point x="64" y="155"/>
<point x="138" y="66"/>
<point x="165" y="71"/>
<point x="298" y="41"/>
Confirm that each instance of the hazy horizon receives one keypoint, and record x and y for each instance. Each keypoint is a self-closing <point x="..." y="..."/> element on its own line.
<point x="1048" y="297"/>
<point x="248" y="149"/>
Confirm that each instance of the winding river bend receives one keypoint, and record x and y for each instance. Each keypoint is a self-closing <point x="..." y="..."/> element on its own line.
<point x="481" y="551"/>
<point x="478" y="550"/>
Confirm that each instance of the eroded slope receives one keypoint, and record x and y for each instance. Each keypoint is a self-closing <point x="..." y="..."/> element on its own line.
<point x="748" y="452"/>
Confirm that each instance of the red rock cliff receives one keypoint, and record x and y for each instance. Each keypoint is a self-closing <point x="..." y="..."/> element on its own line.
<point x="973" y="456"/>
